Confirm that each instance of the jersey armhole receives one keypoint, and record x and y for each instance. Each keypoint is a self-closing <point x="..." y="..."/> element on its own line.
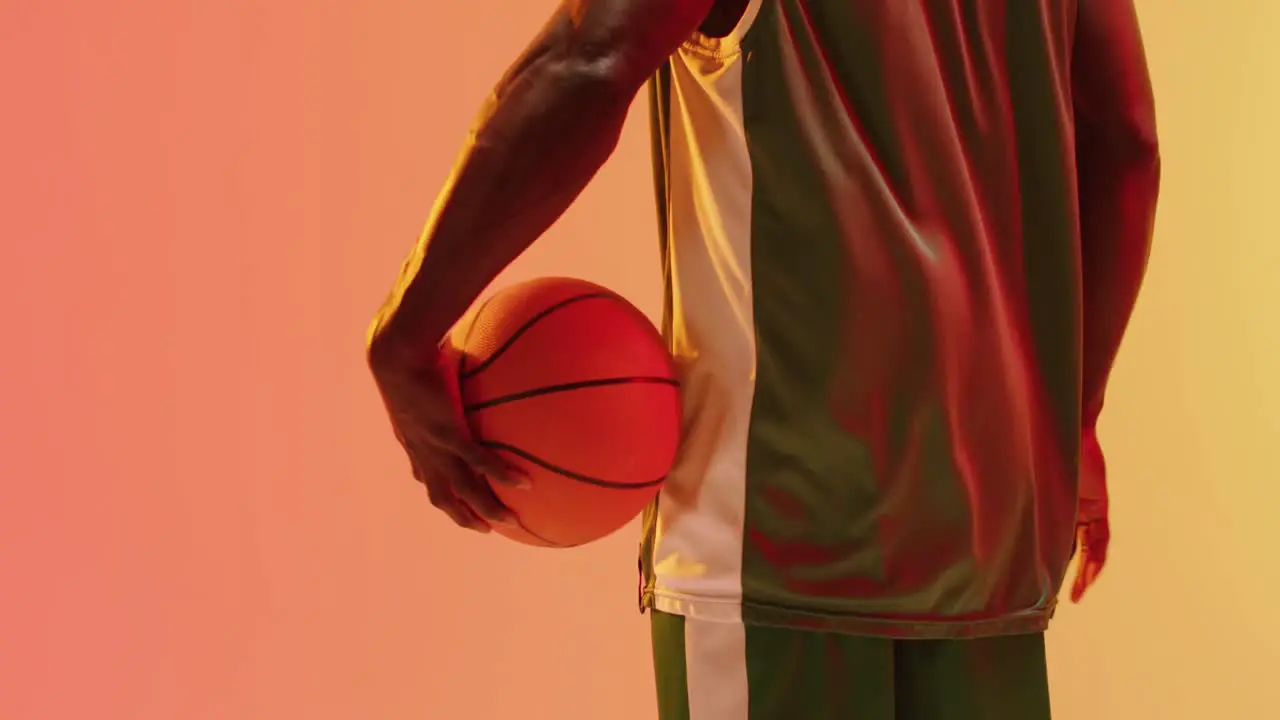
<point x="730" y="44"/>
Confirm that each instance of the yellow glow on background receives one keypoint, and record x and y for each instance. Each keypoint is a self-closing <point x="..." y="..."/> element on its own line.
<point x="203" y="516"/>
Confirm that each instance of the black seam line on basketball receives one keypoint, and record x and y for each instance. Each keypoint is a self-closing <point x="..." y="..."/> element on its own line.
<point x="526" y="327"/>
<point x="567" y="387"/>
<point x="462" y="356"/>
<point x="504" y="447"/>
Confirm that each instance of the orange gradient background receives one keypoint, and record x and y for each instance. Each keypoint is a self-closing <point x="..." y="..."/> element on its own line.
<point x="203" y="515"/>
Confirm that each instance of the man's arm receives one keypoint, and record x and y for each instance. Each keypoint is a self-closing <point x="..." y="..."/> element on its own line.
<point x="1119" y="176"/>
<point x="545" y="131"/>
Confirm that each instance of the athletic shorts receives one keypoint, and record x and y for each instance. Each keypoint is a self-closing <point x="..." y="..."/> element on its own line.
<point x="728" y="671"/>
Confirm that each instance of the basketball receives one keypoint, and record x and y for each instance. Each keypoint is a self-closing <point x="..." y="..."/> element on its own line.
<point x="573" y="386"/>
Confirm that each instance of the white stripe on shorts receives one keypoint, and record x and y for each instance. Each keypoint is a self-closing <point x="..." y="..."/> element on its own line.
<point x="715" y="655"/>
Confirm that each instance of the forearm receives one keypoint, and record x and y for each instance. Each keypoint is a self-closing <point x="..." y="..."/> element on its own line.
<point x="1119" y="186"/>
<point x="544" y="133"/>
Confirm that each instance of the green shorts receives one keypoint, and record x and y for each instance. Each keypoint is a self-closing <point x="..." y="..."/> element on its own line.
<point x="727" y="671"/>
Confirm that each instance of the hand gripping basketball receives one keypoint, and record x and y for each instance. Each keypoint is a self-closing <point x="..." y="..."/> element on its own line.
<point x="426" y="414"/>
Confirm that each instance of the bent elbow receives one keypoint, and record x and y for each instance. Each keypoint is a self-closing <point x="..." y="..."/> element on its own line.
<point x="1131" y="145"/>
<point x="1141" y="146"/>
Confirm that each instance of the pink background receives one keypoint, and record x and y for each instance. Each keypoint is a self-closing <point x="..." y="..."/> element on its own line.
<point x="203" y="515"/>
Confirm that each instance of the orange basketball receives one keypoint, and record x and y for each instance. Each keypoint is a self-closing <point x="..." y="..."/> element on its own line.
<point x="574" y="386"/>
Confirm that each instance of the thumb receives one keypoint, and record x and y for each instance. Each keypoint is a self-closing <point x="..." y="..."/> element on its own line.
<point x="1093" y="538"/>
<point x="1084" y="559"/>
<point x="1080" y="585"/>
<point x="1086" y="576"/>
<point x="1077" y="585"/>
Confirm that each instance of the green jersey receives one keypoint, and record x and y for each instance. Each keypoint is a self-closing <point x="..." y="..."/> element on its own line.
<point x="871" y="250"/>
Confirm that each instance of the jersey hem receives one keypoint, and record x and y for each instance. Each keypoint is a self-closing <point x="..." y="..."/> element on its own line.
<point x="751" y="613"/>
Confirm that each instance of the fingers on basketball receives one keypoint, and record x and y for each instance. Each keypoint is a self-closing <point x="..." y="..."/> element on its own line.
<point x="439" y="482"/>
<point x="457" y="510"/>
<point x="490" y="465"/>
<point x="472" y="489"/>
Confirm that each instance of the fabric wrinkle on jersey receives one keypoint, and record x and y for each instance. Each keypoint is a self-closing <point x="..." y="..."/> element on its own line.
<point x="870" y="246"/>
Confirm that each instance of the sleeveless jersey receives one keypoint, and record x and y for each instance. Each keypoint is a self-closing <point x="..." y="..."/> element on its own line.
<point x="870" y="244"/>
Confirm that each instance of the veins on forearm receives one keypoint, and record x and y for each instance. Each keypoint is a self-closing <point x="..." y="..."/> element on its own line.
<point x="540" y="137"/>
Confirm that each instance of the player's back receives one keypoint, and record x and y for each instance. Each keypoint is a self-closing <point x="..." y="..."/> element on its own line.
<point x="871" y="247"/>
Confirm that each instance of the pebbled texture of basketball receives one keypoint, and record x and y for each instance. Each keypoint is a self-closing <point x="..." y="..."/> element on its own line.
<point x="572" y="385"/>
